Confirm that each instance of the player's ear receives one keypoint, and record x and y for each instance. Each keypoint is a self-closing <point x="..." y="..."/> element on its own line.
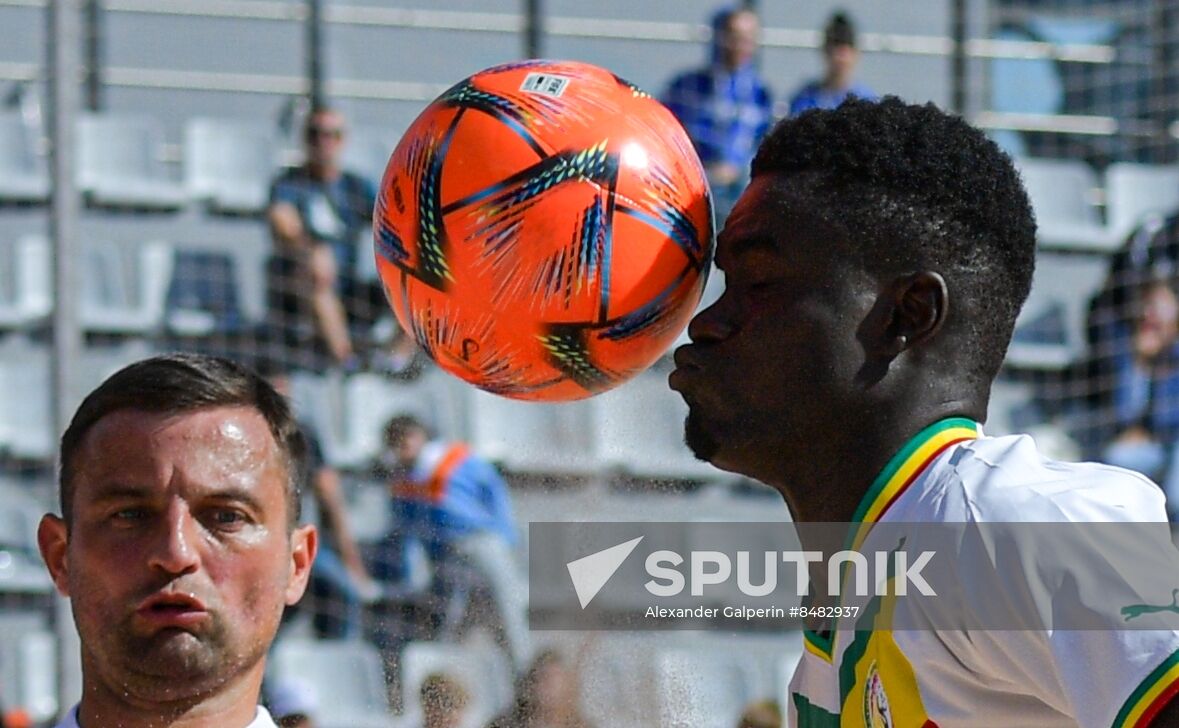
<point x="53" y="541"/>
<point x="304" y="545"/>
<point x="919" y="305"/>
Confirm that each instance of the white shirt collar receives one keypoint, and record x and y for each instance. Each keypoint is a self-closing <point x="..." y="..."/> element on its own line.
<point x="262" y="719"/>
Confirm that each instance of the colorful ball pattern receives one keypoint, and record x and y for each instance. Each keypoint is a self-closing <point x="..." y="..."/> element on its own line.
<point x="544" y="229"/>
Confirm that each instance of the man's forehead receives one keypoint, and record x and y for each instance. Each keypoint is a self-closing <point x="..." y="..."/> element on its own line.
<point x="234" y="432"/>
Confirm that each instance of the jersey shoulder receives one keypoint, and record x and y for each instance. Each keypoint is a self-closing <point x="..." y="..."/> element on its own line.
<point x="1007" y="479"/>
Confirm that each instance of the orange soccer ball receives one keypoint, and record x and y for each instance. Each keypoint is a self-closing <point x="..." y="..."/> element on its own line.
<point x="544" y="229"/>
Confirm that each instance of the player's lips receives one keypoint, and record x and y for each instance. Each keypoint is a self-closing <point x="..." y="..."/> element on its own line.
<point x="687" y="365"/>
<point x="172" y="610"/>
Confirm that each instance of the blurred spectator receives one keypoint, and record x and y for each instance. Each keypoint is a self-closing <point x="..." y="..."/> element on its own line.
<point x="840" y="56"/>
<point x="547" y="696"/>
<point x="318" y="215"/>
<point x="293" y="702"/>
<point x="444" y="701"/>
<point x="725" y="106"/>
<point x="456" y="505"/>
<point x="339" y="579"/>
<point x="1135" y="330"/>
<point x="763" y="714"/>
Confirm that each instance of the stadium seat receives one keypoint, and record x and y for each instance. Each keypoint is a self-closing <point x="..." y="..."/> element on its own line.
<point x="1133" y="191"/>
<point x="481" y="669"/>
<point x="1060" y="191"/>
<point x="697" y="690"/>
<point x="202" y="298"/>
<point x="1050" y="330"/>
<point x="348" y="675"/>
<point x="367" y="150"/>
<point x="370" y="400"/>
<point x="124" y="287"/>
<point x="21" y="568"/>
<point x="25" y="272"/>
<point x="24" y="175"/>
<point x="639" y="431"/>
<point x="25" y="418"/>
<point x="230" y="163"/>
<point x="28" y="666"/>
<point x="532" y="437"/>
<point x="119" y="164"/>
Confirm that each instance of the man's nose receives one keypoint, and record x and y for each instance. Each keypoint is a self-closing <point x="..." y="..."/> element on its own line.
<point x="174" y="548"/>
<point x="711" y="324"/>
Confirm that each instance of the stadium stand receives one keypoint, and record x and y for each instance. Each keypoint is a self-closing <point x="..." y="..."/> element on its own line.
<point x="544" y="439"/>
<point x="1062" y="192"/>
<point x="347" y="674"/>
<point x="701" y="692"/>
<point x="202" y="300"/>
<point x="187" y="135"/>
<point x="23" y="173"/>
<point x="229" y="163"/>
<point x="632" y="434"/>
<point x="481" y="669"/>
<point x="1050" y="331"/>
<point x="1133" y="191"/>
<point x="119" y="163"/>
<point x="126" y="286"/>
<point x="25" y="300"/>
<point x="28" y="677"/>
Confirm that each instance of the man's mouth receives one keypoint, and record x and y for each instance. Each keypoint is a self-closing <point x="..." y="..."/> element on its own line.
<point x="172" y="610"/>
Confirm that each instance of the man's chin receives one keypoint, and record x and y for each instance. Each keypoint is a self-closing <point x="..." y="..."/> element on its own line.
<point x="698" y="439"/>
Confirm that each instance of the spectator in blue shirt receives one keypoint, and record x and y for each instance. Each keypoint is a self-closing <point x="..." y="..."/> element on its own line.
<point x="841" y="56"/>
<point x="320" y="216"/>
<point x="456" y="504"/>
<point x="725" y="107"/>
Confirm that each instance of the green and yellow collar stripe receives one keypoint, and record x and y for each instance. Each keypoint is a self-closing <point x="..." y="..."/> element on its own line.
<point x="906" y="465"/>
<point x="1159" y="687"/>
<point x="900" y="472"/>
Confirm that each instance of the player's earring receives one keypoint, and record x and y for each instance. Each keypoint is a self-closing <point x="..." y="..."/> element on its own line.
<point x="902" y="342"/>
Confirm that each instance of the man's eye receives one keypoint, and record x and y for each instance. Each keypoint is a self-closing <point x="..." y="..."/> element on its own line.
<point x="228" y="517"/>
<point x="129" y="515"/>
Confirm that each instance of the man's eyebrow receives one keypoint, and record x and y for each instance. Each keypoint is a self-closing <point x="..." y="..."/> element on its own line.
<point x="234" y="493"/>
<point x="118" y="491"/>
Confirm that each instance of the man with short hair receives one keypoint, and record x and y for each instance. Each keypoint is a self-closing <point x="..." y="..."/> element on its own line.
<point x="725" y="107"/>
<point x="319" y="213"/>
<point x="874" y="270"/>
<point x="178" y="542"/>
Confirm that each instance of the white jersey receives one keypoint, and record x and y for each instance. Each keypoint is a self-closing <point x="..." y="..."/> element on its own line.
<point x="888" y="678"/>
<point x="262" y="719"/>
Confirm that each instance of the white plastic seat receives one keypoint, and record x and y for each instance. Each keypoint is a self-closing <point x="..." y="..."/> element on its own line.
<point x="701" y="690"/>
<point x="28" y="666"/>
<point x="25" y="272"/>
<point x="533" y="437"/>
<point x="348" y="675"/>
<point x="1061" y="191"/>
<point x="1133" y="191"/>
<point x="119" y="164"/>
<point x="25" y="418"/>
<point x="230" y="163"/>
<point x="24" y="174"/>
<point x="370" y="400"/>
<point x="367" y="150"/>
<point x="482" y="671"/>
<point x="124" y="287"/>
<point x="1050" y="330"/>
<point x="639" y="430"/>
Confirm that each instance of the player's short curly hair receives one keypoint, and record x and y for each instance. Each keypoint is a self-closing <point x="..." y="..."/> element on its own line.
<point x="911" y="187"/>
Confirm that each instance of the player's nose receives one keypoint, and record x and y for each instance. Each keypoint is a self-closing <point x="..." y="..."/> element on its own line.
<point x="174" y="546"/>
<point x="711" y="324"/>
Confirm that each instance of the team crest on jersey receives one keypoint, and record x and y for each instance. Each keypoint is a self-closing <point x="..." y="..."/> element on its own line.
<point x="877" y="714"/>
